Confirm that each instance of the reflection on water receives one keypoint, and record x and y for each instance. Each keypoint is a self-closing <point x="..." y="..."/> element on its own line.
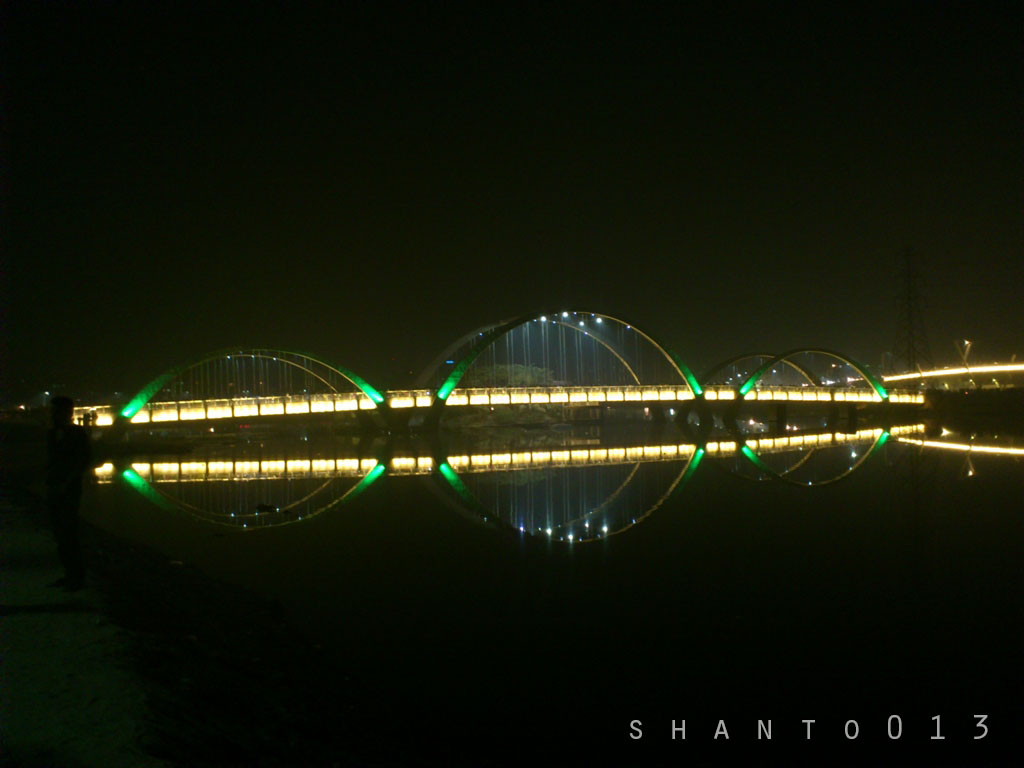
<point x="566" y="485"/>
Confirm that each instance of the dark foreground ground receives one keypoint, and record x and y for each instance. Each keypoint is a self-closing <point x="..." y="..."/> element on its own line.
<point x="155" y="664"/>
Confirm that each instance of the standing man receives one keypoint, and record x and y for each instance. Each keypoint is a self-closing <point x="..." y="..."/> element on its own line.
<point x="69" y="453"/>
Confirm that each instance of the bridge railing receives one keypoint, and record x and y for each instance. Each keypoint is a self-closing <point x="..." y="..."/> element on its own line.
<point x="251" y="407"/>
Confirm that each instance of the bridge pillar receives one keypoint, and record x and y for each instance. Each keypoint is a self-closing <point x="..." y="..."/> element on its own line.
<point x="781" y="416"/>
<point x="832" y="420"/>
<point x="852" y="418"/>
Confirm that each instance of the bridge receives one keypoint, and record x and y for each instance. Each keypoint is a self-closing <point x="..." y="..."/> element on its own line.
<point x="988" y="371"/>
<point x="570" y="359"/>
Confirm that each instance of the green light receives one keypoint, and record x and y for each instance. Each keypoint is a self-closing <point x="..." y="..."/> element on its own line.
<point x="882" y="439"/>
<point x="687" y="373"/>
<point x="459" y="371"/>
<point x="755" y="459"/>
<point x="456" y="483"/>
<point x="147" y="392"/>
<point x="360" y="382"/>
<point x="136" y="481"/>
<point x="697" y="456"/>
<point x="365" y="483"/>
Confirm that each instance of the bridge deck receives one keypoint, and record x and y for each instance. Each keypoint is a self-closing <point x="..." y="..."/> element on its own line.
<point x="251" y="407"/>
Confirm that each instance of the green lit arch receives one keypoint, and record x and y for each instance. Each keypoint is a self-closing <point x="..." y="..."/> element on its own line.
<point x="168" y="503"/>
<point x="738" y="358"/>
<point x="782" y="477"/>
<point x="144" y="395"/>
<point x="862" y="369"/>
<point x="491" y="334"/>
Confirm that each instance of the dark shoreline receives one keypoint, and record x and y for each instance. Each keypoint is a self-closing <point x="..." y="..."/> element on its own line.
<point x="226" y="680"/>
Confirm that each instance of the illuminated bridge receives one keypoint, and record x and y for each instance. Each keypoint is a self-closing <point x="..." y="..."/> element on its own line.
<point x="568" y="359"/>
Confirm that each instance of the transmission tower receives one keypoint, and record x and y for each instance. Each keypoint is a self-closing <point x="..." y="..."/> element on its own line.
<point x="911" y="349"/>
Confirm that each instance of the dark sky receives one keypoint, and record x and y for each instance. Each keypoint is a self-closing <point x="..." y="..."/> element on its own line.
<point x="368" y="182"/>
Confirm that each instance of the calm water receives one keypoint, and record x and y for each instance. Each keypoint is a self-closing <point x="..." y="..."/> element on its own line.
<point x="827" y="578"/>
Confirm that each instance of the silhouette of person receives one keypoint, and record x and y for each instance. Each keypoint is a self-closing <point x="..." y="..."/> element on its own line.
<point x="69" y="454"/>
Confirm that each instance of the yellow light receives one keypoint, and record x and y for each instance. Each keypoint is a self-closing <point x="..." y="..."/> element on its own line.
<point x="271" y="409"/>
<point x="348" y="465"/>
<point x="480" y="460"/>
<point x="165" y="414"/>
<point x="580" y="455"/>
<point x="499" y="398"/>
<point x="298" y="466"/>
<point x="297" y="407"/>
<point x="402" y="402"/>
<point x="221" y="469"/>
<point x="243" y="410"/>
<point x="596" y="397"/>
<point x="615" y="395"/>
<point x="501" y="458"/>
<point x="998" y="368"/>
<point x="537" y="397"/>
<point x="457" y="400"/>
<point x="346" y="404"/>
<point x="724" y="394"/>
<point x="650" y="394"/>
<point x="520" y="398"/>
<point x="141" y="417"/>
<point x="192" y="410"/>
<point x="104" y="470"/>
<point x="577" y="397"/>
<point x="142" y="469"/>
<point x="560" y="455"/>
<point x="321" y="404"/>
<point x="540" y="457"/>
<point x="520" y="458"/>
<point x="599" y="454"/>
<point x="268" y="467"/>
<point x="366" y="404"/>
<point x="425" y="462"/>
<point x="479" y="400"/>
<point x="365" y="465"/>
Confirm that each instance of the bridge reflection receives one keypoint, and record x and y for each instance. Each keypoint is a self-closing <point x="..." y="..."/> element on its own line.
<point x="554" y="485"/>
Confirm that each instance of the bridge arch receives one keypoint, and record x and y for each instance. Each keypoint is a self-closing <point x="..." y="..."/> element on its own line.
<point x="880" y="437"/>
<point x="484" y="338"/>
<point x="707" y="377"/>
<point x="862" y="369"/>
<point x="625" y="503"/>
<point x="329" y="375"/>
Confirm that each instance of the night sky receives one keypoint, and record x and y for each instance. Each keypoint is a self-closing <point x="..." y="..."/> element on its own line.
<point x="367" y="183"/>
